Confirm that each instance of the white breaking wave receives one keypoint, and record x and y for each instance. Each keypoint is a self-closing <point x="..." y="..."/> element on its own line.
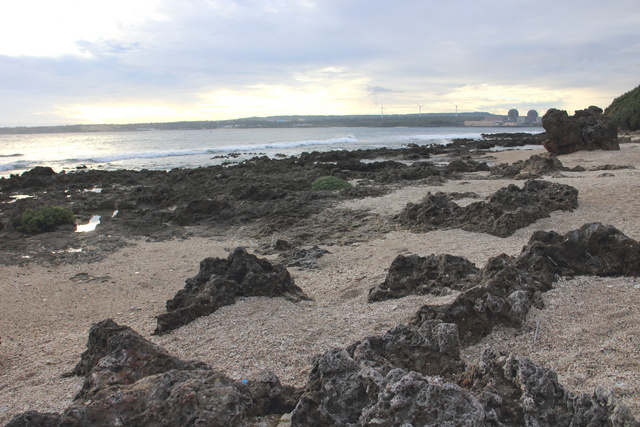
<point x="226" y="149"/>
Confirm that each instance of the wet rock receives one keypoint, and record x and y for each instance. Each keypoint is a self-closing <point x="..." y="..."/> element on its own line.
<point x="516" y="391"/>
<point x="116" y="354"/>
<point x="588" y="130"/>
<point x="418" y="275"/>
<point x="345" y="383"/>
<point x="506" y="211"/>
<point x="220" y="281"/>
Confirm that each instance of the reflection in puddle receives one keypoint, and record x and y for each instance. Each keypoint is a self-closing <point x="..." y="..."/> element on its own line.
<point x="93" y="223"/>
<point x="17" y="197"/>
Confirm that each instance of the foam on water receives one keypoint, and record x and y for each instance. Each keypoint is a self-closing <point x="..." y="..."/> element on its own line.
<point x="177" y="149"/>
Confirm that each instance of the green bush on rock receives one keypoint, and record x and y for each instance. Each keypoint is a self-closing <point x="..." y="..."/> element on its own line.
<point x="329" y="183"/>
<point x="45" y="218"/>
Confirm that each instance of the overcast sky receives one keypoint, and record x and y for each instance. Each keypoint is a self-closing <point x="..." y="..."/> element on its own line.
<point x="127" y="61"/>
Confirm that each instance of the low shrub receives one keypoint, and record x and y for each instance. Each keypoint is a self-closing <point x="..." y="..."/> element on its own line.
<point x="329" y="183"/>
<point x="45" y="218"/>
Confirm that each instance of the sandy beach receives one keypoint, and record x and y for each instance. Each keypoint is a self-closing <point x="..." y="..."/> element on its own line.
<point x="588" y="331"/>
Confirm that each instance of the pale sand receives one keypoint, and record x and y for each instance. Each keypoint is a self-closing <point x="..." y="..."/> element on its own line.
<point x="589" y="331"/>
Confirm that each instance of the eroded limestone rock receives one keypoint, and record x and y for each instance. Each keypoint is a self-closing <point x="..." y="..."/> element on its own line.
<point x="220" y="281"/>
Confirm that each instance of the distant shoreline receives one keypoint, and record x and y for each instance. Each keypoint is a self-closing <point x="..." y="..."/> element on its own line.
<point x="407" y="120"/>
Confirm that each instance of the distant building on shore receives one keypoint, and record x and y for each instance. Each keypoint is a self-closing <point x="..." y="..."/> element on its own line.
<point x="512" y="118"/>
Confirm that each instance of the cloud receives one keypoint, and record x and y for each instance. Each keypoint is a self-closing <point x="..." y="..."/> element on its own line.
<point x="312" y="57"/>
<point x="376" y="90"/>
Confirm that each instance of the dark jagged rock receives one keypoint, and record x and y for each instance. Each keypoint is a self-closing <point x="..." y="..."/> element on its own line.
<point x="176" y="398"/>
<point x="220" y="281"/>
<point x="271" y="397"/>
<point x="197" y="210"/>
<point x="36" y="419"/>
<point x="476" y="311"/>
<point x="593" y="250"/>
<point x="344" y="383"/>
<point x="507" y="210"/>
<point x="305" y="258"/>
<point x="507" y="287"/>
<point x="409" y="398"/>
<point x="534" y="166"/>
<point x="516" y="391"/>
<point x="362" y="386"/>
<point x="116" y="354"/>
<point x="135" y="382"/>
<point x="588" y="130"/>
<point x="459" y="165"/>
<point x="423" y="275"/>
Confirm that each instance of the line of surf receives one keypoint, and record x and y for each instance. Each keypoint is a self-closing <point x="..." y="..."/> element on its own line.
<point x="212" y="150"/>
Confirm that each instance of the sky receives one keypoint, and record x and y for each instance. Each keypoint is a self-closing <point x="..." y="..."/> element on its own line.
<point x="133" y="61"/>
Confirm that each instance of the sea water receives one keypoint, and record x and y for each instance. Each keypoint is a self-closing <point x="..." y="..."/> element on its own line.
<point x="194" y="148"/>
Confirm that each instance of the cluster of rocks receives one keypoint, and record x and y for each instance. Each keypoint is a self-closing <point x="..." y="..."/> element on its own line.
<point x="411" y="375"/>
<point x="587" y="129"/>
<point x="131" y="381"/>
<point x="220" y="282"/>
<point x="505" y="211"/>
<point x="534" y="167"/>
<point x="504" y="290"/>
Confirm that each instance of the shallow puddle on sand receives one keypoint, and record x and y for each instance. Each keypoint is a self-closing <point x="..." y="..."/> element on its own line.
<point x="93" y="223"/>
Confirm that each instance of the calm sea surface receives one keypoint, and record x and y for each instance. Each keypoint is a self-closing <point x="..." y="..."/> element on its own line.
<point x="193" y="148"/>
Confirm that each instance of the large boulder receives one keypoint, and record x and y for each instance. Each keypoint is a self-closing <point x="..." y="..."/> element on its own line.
<point x="588" y="130"/>
<point x="220" y="281"/>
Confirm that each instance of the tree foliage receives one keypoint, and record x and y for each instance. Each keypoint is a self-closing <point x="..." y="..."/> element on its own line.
<point x="625" y="110"/>
<point x="45" y="218"/>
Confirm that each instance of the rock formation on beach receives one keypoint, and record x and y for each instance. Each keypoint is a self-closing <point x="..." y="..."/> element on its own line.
<point x="413" y="274"/>
<point x="131" y="381"/>
<point x="587" y="129"/>
<point x="506" y="288"/>
<point x="412" y="374"/>
<point x="505" y="211"/>
<point x="220" y="281"/>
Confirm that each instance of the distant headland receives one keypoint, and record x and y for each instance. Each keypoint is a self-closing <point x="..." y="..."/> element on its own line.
<point x="394" y="120"/>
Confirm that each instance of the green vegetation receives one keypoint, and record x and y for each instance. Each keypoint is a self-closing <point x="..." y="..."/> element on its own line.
<point x="625" y="110"/>
<point x="329" y="183"/>
<point x="45" y="218"/>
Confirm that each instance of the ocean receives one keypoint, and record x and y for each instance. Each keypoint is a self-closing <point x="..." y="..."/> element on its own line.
<point x="149" y="149"/>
